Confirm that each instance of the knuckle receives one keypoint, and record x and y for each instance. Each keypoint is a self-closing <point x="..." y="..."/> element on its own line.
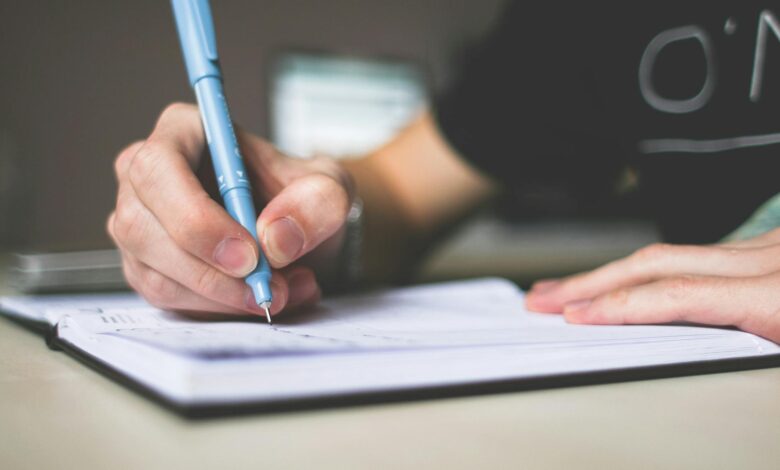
<point x="610" y="307"/>
<point x="206" y="282"/>
<point x="193" y="222"/>
<point x="145" y="164"/>
<point x="618" y="298"/>
<point x="128" y="223"/>
<point x="175" y="109"/>
<point x="122" y="161"/>
<point x="652" y="252"/>
<point x="110" y="225"/>
<point x="158" y="290"/>
<point x="332" y="194"/>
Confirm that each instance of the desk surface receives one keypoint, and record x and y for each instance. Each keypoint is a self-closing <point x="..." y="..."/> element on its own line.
<point x="56" y="413"/>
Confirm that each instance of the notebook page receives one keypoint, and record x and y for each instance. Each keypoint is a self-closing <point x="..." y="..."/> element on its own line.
<point x="431" y="335"/>
<point x="48" y="308"/>
<point x="485" y="313"/>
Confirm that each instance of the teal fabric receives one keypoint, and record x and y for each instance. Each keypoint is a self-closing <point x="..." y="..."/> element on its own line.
<point x="763" y="220"/>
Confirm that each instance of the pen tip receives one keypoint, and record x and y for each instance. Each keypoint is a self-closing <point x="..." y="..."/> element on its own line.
<point x="266" y="306"/>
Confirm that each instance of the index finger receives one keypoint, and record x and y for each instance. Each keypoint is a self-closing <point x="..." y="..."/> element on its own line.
<point x="648" y="264"/>
<point x="699" y="299"/>
<point x="162" y="177"/>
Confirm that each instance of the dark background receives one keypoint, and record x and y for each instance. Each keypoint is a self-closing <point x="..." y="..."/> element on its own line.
<point x="80" y="80"/>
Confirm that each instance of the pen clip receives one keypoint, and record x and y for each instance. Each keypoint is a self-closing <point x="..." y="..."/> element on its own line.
<point x="198" y="40"/>
<point x="205" y="28"/>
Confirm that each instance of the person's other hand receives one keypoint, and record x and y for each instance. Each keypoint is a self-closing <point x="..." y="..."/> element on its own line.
<point x="734" y="284"/>
<point x="180" y="248"/>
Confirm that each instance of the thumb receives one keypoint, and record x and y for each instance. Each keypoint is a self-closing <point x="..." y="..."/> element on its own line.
<point x="304" y="214"/>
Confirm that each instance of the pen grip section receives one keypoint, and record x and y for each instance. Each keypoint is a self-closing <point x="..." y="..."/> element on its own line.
<point x="238" y="203"/>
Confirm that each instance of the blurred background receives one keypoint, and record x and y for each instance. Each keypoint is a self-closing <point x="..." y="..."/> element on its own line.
<point x="83" y="79"/>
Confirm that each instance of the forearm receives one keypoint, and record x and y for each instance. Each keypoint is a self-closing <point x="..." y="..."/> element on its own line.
<point x="413" y="189"/>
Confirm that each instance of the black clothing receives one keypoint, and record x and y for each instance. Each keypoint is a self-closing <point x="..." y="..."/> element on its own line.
<point x="569" y="96"/>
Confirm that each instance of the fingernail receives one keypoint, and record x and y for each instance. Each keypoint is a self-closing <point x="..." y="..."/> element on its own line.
<point x="544" y="286"/>
<point x="541" y="297"/>
<point x="251" y="302"/>
<point x="236" y="256"/>
<point x="281" y="295"/>
<point x="577" y="308"/>
<point x="284" y="241"/>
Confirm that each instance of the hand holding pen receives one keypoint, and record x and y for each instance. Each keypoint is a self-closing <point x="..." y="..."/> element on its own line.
<point x="182" y="250"/>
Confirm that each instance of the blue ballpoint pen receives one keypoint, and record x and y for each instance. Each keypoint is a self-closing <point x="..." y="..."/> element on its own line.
<point x="196" y="33"/>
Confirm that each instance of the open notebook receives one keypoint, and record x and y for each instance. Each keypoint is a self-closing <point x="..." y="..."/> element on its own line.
<point x="457" y="337"/>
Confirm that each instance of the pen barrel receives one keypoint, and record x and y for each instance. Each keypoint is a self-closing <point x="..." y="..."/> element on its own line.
<point x="238" y="203"/>
<point x="225" y="153"/>
<point x="229" y="168"/>
<point x="199" y="46"/>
